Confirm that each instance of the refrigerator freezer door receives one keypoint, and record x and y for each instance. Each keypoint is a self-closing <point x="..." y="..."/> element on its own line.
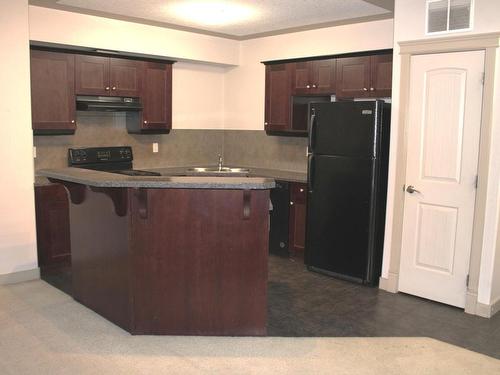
<point x="345" y="129"/>
<point x="339" y="215"/>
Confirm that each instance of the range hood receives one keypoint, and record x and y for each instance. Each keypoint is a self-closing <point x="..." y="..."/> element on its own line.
<point x="108" y="103"/>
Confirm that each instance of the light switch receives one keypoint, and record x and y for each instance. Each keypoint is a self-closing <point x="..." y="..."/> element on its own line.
<point x="155" y="146"/>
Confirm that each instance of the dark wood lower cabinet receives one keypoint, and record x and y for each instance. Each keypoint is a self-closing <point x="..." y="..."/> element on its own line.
<point x="52" y="224"/>
<point x="297" y="220"/>
<point x="172" y="261"/>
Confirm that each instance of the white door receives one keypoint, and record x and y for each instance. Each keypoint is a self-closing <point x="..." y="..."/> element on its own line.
<point x="444" y="116"/>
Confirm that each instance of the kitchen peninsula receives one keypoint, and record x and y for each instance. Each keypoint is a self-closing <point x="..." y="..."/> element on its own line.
<point x="168" y="254"/>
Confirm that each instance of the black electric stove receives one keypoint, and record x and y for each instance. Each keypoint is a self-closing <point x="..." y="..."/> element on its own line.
<point x="110" y="159"/>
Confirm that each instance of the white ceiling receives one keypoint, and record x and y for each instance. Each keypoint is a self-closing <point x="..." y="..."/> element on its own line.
<point x="256" y="17"/>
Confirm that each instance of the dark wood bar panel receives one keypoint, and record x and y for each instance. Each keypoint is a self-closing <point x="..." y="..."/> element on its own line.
<point x="173" y="261"/>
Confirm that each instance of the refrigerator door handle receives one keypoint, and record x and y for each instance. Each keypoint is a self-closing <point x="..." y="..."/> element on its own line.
<point x="310" y="173"/>
<point x="311" y="131"/>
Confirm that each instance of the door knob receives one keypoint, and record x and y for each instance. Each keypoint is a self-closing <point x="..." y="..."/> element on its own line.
<point x="410" y="189"/>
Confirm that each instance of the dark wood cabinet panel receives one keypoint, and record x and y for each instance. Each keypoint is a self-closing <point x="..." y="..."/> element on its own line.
<point x="381" y="76"/>
<point x="92" y="75"/>
<point x="278" y="97"/>
<point x="314" y="77"/>
<point x="52" y="92"/>
<point x="297" y="223"/>
<point x="302" y="77"/>
<point x="52" y="225"/>
<point x="323" y="76"/>
<point x="157" y="97"/>
<point x="125" y="77"/>
<point x="353" y="77"/>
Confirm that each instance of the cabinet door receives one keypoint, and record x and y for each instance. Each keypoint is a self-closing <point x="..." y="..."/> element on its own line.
<point x="92" y="75"/>
<point x="353" y="77"/>
<point x="157" y="96"/>
<point x="323" y="76"/>
<point x="277" y="101"/>
<point x="52" y="225"/>
<point x="301" y="78"/>
<point x="53" y="92"/>
<point x="381" y="76"/>
<point x="297" y="229"/>
<point x="125" y="77"/>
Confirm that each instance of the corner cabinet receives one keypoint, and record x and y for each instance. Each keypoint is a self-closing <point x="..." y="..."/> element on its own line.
<point x="156" y="116"/>
<point x="53" y="106"/>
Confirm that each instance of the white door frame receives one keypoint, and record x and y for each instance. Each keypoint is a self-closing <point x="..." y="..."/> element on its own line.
<point x="489" y="43"/>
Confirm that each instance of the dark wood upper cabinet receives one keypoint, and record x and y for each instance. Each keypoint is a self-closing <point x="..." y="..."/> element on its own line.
<point x="316" y="77"/>
<point x="381" y="76"/>
<point x="92" y="75"/>
<point x="278" y="97"/>
<point x="104" y="76"/>
<point x="53" y="92"/>
<point x="52" y="225"/>
<point x="353" y="77"/>
<point x="365" y="76"/>
<point x="156" y="100"/>
<point x="125" y="77"/>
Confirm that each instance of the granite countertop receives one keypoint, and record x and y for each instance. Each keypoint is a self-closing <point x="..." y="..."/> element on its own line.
<point x="105" y="179"/>
<point x="275" y="174"/>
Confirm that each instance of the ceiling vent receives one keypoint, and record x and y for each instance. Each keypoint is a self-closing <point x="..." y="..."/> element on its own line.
<point x="446" y="16"/>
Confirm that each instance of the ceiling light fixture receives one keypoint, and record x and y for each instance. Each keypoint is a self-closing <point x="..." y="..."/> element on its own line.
<point x="212" y="12"/>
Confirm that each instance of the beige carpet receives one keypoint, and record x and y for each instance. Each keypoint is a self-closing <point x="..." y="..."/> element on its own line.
<point x="43" y="331"/>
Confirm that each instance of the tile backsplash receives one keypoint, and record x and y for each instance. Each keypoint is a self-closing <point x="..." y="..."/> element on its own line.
<point x="182" y="147"/>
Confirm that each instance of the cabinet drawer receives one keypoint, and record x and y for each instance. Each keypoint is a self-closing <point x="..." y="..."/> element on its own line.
<point x="298" y="192"/>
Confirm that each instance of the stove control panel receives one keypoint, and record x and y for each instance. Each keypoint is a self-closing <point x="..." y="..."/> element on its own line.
<point x="93" y="155"/>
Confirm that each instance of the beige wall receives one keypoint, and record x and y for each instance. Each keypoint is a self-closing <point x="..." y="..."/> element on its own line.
<point x="17" y="212"/>
<point x="409" y="24"/>
<point x="56" y="26"/>
<point x="244" y="84"/>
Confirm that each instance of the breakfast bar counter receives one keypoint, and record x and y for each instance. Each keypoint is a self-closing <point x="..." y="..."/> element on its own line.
<point x="170" y="255"/>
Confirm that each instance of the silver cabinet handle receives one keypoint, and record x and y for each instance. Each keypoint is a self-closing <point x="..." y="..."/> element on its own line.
<point x="107" y="88"/>
<point x="113" y="88"/>
<point x="301" y="190"/>
<point x="410" y="189"/>
<point x="265" y="123"/>
<point x="145" y="122"/>
<point x="291" y="203"/>
<point x="308" y="86"/>
<point x="372" y="89"/>
<point x="365" y="89"/>
<point x="314" y="86"/>
<point x="72" y="121"/>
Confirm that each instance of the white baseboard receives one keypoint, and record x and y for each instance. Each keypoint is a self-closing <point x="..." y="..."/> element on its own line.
<point x="487" y="311"/>
<point x="19" y="277"/>
<point x="389" y="284"/>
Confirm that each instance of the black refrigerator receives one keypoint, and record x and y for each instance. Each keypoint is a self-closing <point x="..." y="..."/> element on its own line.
<point x="347" y="188"/>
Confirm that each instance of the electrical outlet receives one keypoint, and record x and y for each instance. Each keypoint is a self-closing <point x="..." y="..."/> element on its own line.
<point x="34" y="152"/>
<point x="155" y="146"/>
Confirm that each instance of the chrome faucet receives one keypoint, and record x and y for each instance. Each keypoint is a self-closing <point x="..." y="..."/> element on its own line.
<point x="220" y="162"/>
